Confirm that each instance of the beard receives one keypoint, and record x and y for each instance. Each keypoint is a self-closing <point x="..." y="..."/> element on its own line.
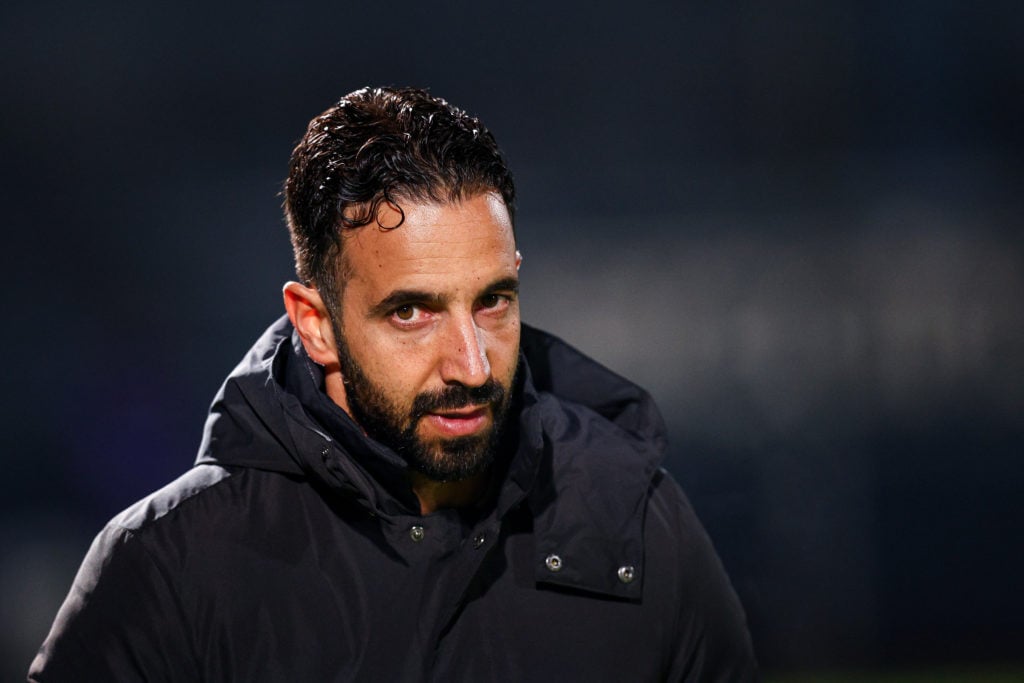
<point x="441" y="459"/>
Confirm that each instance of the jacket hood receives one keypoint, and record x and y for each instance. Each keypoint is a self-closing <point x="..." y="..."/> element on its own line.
<point x="558" y="369"/>
<point x="584" y="431"/>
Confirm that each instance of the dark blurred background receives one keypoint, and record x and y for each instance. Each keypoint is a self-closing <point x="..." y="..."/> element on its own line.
<point x="798" y="223"/>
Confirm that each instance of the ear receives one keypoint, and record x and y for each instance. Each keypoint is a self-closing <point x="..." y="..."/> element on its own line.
<point x="519" y="259"/>
<point x="308" y="314"/>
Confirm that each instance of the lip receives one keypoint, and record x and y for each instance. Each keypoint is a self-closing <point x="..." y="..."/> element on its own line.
<point x="460" y="422"/>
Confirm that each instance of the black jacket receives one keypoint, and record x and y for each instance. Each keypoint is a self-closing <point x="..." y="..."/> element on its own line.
<point x="293" y="550"/>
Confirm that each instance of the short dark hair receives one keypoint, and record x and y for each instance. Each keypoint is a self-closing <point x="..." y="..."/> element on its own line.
<point x="381" y="145"/>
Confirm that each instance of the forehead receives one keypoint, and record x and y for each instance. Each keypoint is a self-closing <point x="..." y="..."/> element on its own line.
<point x="436" y="246"/>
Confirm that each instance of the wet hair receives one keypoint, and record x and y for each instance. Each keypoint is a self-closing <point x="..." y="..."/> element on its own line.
<point x="381" y="145"/>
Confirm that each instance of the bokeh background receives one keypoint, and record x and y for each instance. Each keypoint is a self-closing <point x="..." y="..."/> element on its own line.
<point x="798" y="223"/>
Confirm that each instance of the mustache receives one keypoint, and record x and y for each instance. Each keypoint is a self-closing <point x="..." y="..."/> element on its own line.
<point x="457" y="396"/>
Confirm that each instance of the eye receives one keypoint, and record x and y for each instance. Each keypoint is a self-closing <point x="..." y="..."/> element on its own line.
<point x="408" y="316"/>
<point x="495" y="303"/>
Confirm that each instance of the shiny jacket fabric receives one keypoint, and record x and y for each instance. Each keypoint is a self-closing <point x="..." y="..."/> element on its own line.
<point x="294" y="551"/>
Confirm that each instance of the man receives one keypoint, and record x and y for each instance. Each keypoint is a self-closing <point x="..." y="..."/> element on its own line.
<point x="400" y="482"/>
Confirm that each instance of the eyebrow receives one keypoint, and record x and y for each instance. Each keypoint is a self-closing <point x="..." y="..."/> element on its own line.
<point x="505" y="284"/>
<point x="405" y="297"/>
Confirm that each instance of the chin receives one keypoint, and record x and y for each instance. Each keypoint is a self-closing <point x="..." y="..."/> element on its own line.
<point x="456" y="459"/>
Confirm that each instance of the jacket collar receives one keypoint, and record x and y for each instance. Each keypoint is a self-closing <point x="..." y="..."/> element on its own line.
<point x="604" y="441"/>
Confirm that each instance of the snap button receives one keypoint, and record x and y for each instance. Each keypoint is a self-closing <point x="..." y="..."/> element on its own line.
<point x="553" y="563"/>
<point x="416" y="533"/>
<point x="627" y="573"/>
<point x="479" y="540"/>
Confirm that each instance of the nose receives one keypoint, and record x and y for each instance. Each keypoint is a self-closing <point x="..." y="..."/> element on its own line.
<point x="464" y="354"/>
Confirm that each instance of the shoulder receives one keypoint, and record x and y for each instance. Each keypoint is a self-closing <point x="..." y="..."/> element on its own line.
<point x="204" y="517"/>
<point x="713" y="642"/>
<point x="186" y="524"/>
<point x="607" y="503"/>
<point x="129" y="611"/>
<point x="676" y="540"/>
<point x="122" y="618"/>
<point x="199" y="481"/>
<point x="137" y="542"/>
<point x="670" y="511"/>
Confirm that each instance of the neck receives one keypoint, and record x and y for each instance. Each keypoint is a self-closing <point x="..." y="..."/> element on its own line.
<point x="435" y="495"/>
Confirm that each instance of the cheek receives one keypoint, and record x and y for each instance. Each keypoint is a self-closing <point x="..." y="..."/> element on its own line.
<point x="504" y="353"/>
<point x="398" y="369"/>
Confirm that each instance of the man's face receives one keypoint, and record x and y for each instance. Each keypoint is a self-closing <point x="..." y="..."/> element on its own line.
<point x="429" y="332"/>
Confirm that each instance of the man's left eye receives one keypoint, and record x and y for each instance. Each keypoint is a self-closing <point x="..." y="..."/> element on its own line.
<point x="491" y="300"/>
